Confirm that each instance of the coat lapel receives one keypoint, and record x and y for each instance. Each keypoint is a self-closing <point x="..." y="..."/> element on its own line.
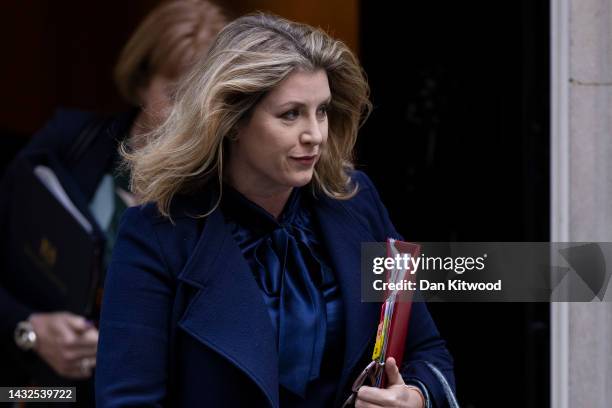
<point x="343" y="235"/>
<point x="228" y="313"/>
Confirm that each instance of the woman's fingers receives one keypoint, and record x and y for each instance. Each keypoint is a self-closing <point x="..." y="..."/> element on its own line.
<point x="81" y="369"/>
<point x="365" y="404"/>
<point x="393" y="375"/>
<point x="67" y="342"/>
<point x="76" y="323"/>
<point x="377" y="396"/>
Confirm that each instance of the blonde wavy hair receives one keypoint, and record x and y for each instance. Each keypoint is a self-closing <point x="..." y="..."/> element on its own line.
<point x="168" y="41"/>
<point x="251" y="56"/>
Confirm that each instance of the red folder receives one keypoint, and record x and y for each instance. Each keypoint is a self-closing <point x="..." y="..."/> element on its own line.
<point x="397" y="325"/>
<point x="398" y="328"/>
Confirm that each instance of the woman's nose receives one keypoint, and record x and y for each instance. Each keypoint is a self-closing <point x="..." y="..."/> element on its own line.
<point x="315" y="132"/>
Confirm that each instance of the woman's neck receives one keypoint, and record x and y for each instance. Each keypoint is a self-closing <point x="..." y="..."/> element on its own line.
<point x="271" y="201"/>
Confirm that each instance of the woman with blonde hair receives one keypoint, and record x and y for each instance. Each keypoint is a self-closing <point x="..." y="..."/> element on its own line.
<point x="61" y="343"/>
<point x="236" y="282"/>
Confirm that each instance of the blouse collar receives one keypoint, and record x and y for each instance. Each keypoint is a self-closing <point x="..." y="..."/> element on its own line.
<point x="248" y="214"/>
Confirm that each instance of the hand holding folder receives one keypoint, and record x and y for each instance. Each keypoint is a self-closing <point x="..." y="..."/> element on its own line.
<point x="393" y="325"/>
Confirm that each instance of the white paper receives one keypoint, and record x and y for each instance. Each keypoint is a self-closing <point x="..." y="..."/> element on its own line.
<point x="49" y="179"/>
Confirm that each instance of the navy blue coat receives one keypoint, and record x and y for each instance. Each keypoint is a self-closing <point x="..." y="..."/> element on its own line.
<point x="184" y="323"/>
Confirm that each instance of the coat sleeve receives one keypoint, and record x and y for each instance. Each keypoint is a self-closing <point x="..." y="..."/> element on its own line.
<point x="12" y="310"/>
<point x="132" y="362"/>
<point x="426" y="360"/>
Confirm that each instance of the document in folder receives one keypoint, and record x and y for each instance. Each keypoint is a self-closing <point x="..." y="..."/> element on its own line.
<point x="55" y="253"/>
<point x="395" y="311"/>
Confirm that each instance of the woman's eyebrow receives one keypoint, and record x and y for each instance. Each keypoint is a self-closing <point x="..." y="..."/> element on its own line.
<point x="300" y="103"/>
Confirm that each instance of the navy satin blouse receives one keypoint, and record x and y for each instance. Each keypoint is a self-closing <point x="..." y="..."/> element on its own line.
<point x="289" y="263"/>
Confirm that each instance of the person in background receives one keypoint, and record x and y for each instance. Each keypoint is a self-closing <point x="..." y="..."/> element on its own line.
<point x="164" y="46"/>
<point x="236" y="283"/>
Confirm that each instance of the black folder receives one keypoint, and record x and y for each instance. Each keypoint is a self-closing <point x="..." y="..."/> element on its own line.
<point x="55" y="261"/>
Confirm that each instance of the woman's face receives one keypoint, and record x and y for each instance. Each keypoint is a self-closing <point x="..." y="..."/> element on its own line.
<point x="156" y="97"/>
<point x="279" y="145"/>
<point x="156" y="103"/>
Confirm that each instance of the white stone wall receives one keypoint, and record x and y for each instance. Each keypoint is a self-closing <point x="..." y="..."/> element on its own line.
<point x="582" y="192"/>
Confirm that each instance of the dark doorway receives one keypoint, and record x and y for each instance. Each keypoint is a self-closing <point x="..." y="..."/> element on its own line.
<point x="458" y="145"/>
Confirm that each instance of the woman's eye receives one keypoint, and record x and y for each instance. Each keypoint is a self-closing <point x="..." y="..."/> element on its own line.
<point x="322" y="111"/>
<point x="290" y="115"/>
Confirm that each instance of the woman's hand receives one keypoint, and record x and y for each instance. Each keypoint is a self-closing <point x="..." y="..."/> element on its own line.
<point x="397" y="394"/>
<point x="67" y="342"/>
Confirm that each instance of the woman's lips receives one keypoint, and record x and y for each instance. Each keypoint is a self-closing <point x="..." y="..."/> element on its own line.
<point x="305" y="160"/>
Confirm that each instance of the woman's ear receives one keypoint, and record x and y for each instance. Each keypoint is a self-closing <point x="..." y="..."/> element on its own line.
<point x="238" y="129"/>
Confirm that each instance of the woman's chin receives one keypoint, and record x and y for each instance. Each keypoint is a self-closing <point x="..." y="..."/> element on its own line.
<point x="301" y="179"/>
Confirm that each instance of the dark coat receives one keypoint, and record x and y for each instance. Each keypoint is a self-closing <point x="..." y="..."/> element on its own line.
<point x="184" y="323"/>
<point x="80" y="179"/>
